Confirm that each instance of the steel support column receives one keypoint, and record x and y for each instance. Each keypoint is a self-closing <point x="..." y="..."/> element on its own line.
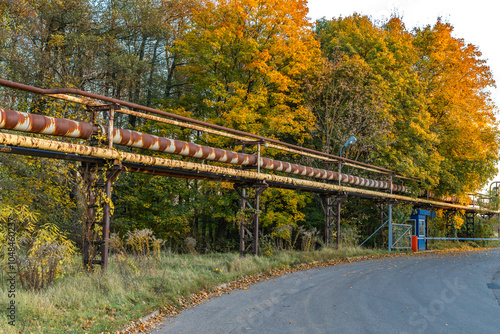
<point x="389" y="219"/>
<point x="111" y="176"/>
<point x="449" y="217"/>
<point x="243" y="200"/>
<point x="332" y="206"/>
<point x="88" y="175"/>
<point x="97" y="185"/>
<point x="382" y="222"/>
<point x="469" y="224"/>
<point x="339" y="205"/>
<point x="98" y="179"/>
<point x="259" y="189"/>
<point x="327" y="203"/>
<point x="249" y="216"/>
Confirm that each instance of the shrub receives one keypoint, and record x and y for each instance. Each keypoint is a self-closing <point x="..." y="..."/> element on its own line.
<point x="41" y="250"/>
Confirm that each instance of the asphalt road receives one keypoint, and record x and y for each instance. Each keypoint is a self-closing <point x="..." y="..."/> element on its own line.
<point x="441" y="293"/>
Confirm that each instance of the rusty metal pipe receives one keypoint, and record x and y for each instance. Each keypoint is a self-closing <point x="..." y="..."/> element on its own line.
<point x="14" y="120"/>
<point x="87" y="151"/>
<point x="19" y="121"/>
<point x="91" y="102"/>
<point x="150" y="142"/>
<point x="37" y="90"/>
<point x="229" y="135"/>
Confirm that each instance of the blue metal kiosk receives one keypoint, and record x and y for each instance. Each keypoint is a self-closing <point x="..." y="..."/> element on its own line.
<point x="418" y="220"/>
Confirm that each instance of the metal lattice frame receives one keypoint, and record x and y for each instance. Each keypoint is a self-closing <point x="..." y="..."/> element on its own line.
<point x="449" y="217"/>
<point x="98" y="179"/>
<point x="402" y="236"/>
<point x="327" y="203"/>
<point x="249" y="216"/>
<point x="97" y="182"/>
<point x="332" y="206"/>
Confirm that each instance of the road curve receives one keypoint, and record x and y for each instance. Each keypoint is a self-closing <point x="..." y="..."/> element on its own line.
<point x="435" y="293"/>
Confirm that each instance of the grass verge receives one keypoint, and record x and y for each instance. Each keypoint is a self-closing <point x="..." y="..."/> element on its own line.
<point x="446" y="244"/>
<point x="133" y="287"/>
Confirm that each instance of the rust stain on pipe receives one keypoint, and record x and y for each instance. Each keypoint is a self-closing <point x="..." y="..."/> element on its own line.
<point x="19" y="121"/>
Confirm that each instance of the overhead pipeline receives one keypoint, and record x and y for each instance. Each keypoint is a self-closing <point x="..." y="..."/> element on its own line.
<point x="14" y="120"/>
<point x="55" y="92"/>
<point x="87" y="151"/>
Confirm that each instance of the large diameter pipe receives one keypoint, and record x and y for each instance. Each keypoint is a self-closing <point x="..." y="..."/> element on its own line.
<point x="88" y="151"/>
<point x="19" y="121"/>
<point x="14" y="120"/>
<point x="232" y="136"/>
<point x="161" y="144"/>
<point x="91" y="102"/>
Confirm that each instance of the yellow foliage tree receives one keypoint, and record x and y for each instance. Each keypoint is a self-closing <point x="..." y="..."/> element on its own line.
<point x="39" y="252"/>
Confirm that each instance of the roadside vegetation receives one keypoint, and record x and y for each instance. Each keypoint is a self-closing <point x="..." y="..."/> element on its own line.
<point x="143" y="277"/>
<point x="449" y="244"/>
<point x="136" y="285"/>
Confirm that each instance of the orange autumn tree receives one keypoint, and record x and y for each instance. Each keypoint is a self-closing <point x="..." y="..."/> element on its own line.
<point x="245" y="61"/>
<point x="463" y="115"/>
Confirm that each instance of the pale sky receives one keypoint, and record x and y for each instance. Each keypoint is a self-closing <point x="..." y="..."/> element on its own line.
<point x="474" y="21"/>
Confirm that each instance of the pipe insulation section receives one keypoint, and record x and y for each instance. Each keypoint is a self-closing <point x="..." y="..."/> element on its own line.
<point x="20" y="121"/>
<point x="14" y="120"/>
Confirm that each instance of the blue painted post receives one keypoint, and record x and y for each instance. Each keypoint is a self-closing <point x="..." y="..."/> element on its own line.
<point x="390" y="227"/>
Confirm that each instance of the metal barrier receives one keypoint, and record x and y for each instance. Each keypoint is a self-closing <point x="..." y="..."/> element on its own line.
<point x="402" y="235"/>
<point x="460" y="239"/>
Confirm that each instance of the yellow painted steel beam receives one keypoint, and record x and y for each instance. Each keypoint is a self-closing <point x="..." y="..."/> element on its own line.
<point x="88" y="151"/>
